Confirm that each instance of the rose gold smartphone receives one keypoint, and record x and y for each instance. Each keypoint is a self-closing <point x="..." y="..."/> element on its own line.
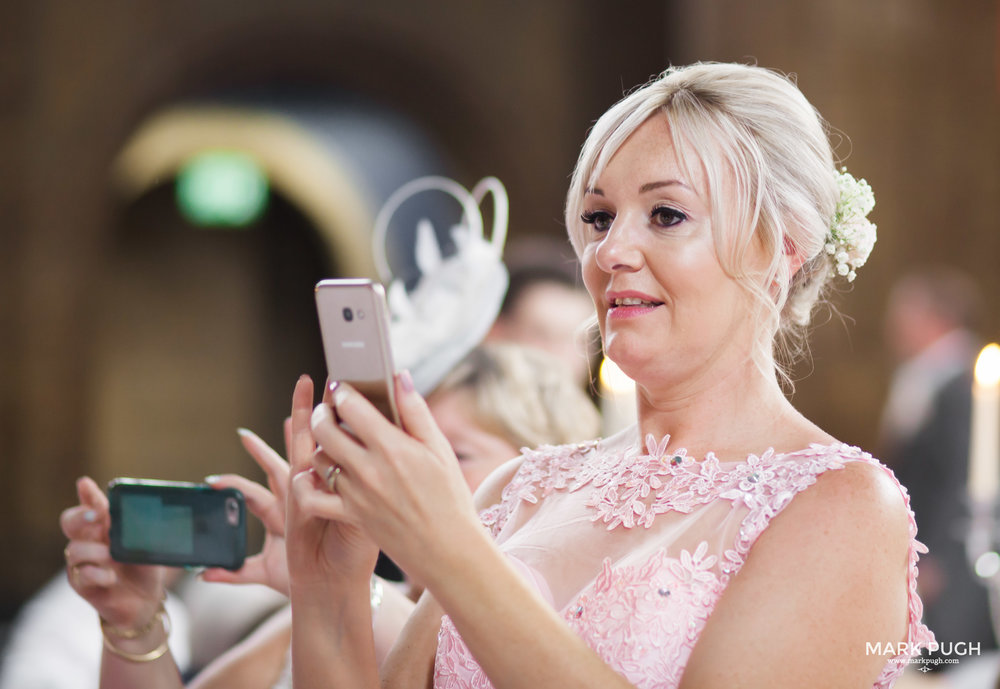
<point x="354" y="324"/>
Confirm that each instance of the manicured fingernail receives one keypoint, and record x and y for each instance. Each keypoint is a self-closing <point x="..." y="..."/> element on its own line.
<point x="333" y="385"/>
<point x="244" y="432"/>
<point x="406" y="380"/>
<point x="339" y="394"/>
<point x="90" y="516"/>
<point x="212" y="479"/>
<point x="318" y="415"/>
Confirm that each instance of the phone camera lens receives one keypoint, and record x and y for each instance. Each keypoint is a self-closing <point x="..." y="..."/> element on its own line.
<point x="232" y="512"/>
<point x="348" y="314"/>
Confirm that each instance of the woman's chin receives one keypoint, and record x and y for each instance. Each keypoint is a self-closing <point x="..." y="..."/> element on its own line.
<point x="630" y="362"/>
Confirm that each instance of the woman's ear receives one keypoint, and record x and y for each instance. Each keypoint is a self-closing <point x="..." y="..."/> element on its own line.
<point x="793" y="257"/>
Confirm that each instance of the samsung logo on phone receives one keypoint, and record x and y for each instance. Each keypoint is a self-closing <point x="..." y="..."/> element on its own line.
<point x="352" y="344"/>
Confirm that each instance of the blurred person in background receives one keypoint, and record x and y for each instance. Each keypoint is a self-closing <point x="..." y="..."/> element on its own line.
<point x="504" y="397"/>
<point x="546" y="306"/>
<point x="929" y="330"/>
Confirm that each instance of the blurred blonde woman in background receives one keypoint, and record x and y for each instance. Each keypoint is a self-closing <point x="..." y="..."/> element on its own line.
<point x="504" y="397"/>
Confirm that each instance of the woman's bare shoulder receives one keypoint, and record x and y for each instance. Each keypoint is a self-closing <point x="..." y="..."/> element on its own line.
<point x="861" y="493"/>
<point x="827" y="576"/>
<point x="849" y="528"/>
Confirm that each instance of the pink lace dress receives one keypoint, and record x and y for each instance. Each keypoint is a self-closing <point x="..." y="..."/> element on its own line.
<point x="647" y="544"/>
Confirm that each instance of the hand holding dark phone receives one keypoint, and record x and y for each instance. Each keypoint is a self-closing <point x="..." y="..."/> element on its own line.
<point x="176" y="523"/>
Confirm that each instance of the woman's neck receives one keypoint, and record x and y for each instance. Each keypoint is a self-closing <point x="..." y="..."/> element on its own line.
<point x="733" y="416"/>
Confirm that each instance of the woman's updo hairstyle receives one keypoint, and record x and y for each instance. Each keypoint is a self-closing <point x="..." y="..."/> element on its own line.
<point x="752" y="132"/>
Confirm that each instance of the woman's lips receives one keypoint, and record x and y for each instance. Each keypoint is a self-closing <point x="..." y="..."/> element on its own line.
<point x="629" y="305"/>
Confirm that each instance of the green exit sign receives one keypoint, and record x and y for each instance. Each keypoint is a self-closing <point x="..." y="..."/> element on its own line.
<point x="222" y="189"/>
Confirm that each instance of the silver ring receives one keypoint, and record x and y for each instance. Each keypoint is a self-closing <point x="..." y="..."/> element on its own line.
<point x="331" y="477"/>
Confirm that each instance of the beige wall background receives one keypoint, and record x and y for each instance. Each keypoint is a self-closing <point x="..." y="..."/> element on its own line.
<point x="504" y="88"/>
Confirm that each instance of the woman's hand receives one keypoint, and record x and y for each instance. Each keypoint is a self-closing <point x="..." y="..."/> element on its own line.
<point x="404" y="488"/>
<point x="270" y="565"/>
<point x="126" y="596"/>
<point x="322" y="553"/>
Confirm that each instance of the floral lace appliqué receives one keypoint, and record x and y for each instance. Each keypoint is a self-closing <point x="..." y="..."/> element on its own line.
<point x="645" y="619"/>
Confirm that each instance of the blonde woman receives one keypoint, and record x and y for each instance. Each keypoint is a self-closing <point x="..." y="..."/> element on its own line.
<point x="725" y="540"/>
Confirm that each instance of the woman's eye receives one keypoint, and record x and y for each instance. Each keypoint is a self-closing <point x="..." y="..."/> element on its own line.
<point x="664" y="216"/>
<point x="601" y="220"/>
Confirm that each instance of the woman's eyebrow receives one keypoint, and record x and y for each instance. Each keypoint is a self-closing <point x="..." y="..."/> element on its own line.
<point x="650" y="186"/>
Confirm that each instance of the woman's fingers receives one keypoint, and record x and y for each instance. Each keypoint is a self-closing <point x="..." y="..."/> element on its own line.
<point x="260" y="501"/>
<point x="91" y="494"/>
<point x="88" y="575"/>
<point x="417" y="419"/>
<point x="273" y="464"/>
<point x="373" y="430"/>
<point x="328" y="391"/>
<point x="338" y="446"/>
<point x="78" y="552"/>
<point x="89" y="564"/>
<point x="81" y="522"/>
<point x="90" y="519"/>
<point x="315" y="501"/>
<point x="301" y="444"/>
<point x="88" y="558"/>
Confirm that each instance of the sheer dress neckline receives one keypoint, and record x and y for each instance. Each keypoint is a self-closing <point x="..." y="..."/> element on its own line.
<point x="634" y="546"/>
<point x="620" y="444"/>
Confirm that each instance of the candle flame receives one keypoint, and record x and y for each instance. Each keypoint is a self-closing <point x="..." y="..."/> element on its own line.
<point x="988" y="365"/>
<point x="614" y="380"/>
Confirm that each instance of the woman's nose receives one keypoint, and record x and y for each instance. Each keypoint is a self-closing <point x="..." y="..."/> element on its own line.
<point x="619" y="250"/>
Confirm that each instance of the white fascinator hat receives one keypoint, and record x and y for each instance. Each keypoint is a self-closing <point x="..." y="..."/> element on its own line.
<point x="456" y="298"/>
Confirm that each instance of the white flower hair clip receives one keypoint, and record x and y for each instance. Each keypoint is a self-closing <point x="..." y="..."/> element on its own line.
<point x="852" y="235"/>
<point x="457" y="297"/>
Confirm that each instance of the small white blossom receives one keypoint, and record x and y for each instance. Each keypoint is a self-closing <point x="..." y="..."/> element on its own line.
<point x="852" y="236"/>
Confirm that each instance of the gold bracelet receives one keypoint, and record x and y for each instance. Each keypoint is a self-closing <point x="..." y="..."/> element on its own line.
<point x="107" y="627"/>
<point x="138" y="657"/>
<point x="157" y="652"/>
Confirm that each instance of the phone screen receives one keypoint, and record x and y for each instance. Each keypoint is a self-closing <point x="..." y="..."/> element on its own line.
<point x="148" y="523"/>
<point x="177" y="524"/>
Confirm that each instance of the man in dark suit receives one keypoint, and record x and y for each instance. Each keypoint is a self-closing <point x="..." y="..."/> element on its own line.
<point x="925" y="437"/>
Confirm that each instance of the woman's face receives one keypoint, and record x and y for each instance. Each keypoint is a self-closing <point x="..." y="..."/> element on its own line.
<point x="668" y="313"/>
<point x="479" y="452"/>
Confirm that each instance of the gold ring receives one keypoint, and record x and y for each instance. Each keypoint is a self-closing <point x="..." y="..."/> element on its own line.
<point x="331" y="477"/>
<point x="74" y="570"/>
